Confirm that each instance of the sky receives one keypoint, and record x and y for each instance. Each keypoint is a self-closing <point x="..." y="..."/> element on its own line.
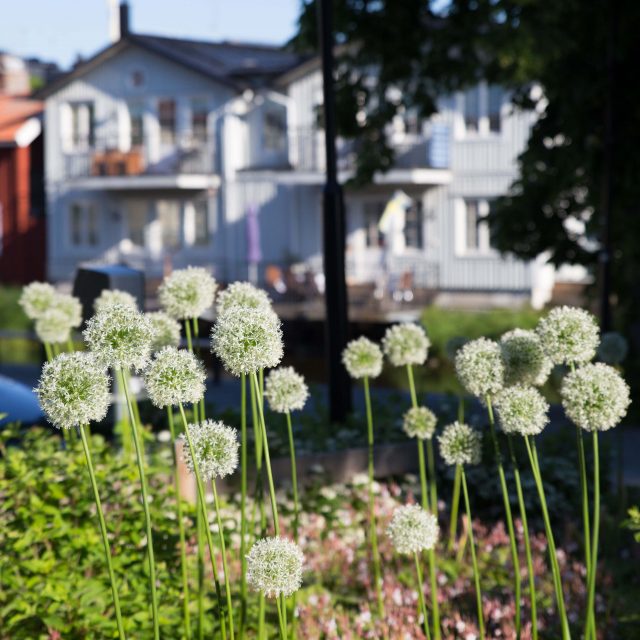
<point x="59" y="30"/>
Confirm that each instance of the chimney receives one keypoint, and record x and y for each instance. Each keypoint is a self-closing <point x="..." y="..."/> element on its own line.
<point x="124" y="19"/>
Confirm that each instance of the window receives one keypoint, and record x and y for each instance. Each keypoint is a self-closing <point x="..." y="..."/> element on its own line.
<point x="414" y="226"/>
<point x="199" y="116"/>
<point x="201" y="222"/>
<point x="170" y="218"/>
<point x="274" y="129"/>
<point x="83" y="224"/>
<point x="136" y="117"/>
<point x="372" y="213"/>
<point x="476" y="229"/>
<point x="472" y="109"/>
<point x="167" y="118"/>
<point x="137" y="218"/>
<point x="82" y="125"/>
<point x="472" y="221"/>
<point x="495" y="104"/>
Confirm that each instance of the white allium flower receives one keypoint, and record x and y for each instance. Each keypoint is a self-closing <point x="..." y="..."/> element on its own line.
<point x="362" y="358"/>
<point x="187" y="293"/>
<point x="405" y="344"/>
<point x="174" y="377"/>
<point x="274" y="567"/>
<point x="460" y="444"/>
<point x="419" y="422"/>
<point x="247" y="339"/>
<point x="286" y="390"/>
<point x="479" y="367"/>
<point x="36" y="298"/>
<point x="69" y="306"/>
<point x="525" y="361"/>
<point x="412" y="529"/>
<point x="453" y="345"/>
<point x="522" y="410"/>
<point x="595" y="397"/>
<point x="53" y="327"/>
<point x="242" y="294"/>
<point x="613" y="348"/>
<point x="120" y="337"/>
<point x="569" y="334"/>
<point x="215" y="447"/>
<point x="166" y="330"/>
<point x="73" y="390"/>
<point x="109" y="297"/>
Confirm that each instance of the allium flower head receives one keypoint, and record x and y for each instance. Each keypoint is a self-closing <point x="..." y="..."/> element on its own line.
<point x="569" y="334"/>
<point x="285" y="390"/>
<point x="613" y="348"/>
<point x="174" y="377"/>
<point x="419" y="422"/>
<point x="120" y="337"/>
<point x="187" y="293"/>
<point x="460" y="444"/>
<point x="109" y="297"/>
<point x="36" y="298"/>
<point x="70" y="306"/>
<point x="362" y="358"/>
<point x="242" y="294"/>
<point x="166" y="331"/>
<point x="53" y="327"/>
<point x="247" y="339"/>
<point x="274" y="567"/>
<point x="522" y="410"/>
<point x="525" y="361"/>
<point x="412" y="529"/>
<point x="595" y="397"/>
<point x="405" y="344"/>
<point x="480" y="368"/>
<point x="73" y="390"/>
<point x="215" y="447"/>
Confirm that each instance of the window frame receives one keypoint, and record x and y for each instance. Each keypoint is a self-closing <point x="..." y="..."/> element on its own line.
<point x="482" y="247"/>
<point x="83" y="224"/>
<point x="168" y="134"/>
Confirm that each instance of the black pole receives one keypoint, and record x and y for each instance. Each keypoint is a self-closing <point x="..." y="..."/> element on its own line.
<point x="336" y="323"/>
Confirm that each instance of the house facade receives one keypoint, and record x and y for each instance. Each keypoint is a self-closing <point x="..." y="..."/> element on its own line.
<point x="163" y="152"/>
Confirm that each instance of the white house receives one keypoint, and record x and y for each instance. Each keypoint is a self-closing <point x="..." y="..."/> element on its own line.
<point x="159" y="151"/>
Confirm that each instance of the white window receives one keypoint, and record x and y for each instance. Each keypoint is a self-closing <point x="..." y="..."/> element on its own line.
<point x="167" y="120"/>
<point x="474" y="237"/>
<point x="170" y="218"/>
<point x="84" y="228"/>
<point x="136" y="118"/>
<point x="201" y="222"/>
<point x="414" y="225"/>
<point x="372" y="212"/>
<point x="137" y="220"/>
<point x="481" y="109"/>
<point x="82" y="125"/>
<point x="494" y="108"/>
<point x="199" y="116"/>
<point x="472" y="109"/>
<point x="274" y="129"/>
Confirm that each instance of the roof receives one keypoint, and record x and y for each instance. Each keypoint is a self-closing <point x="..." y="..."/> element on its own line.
<point x="16" y="115"/>
<point x="235" y="64"/>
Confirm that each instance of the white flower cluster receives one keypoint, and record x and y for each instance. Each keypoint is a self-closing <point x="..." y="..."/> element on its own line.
<point x="479" y="367"/>
<point x="187" y="293"/>
<point x="174" y="377"/>
<point x="53" y="327"/>
<point x="525" y="361"/>
<point x="613" y="348"/>
<point x="215" y="446"/>
<point x="242" y="294"/>
<point x="419" y="422"/>
<point x="522" y="410"/>
<point x="362" y="358"/>
<point x="405" y="344"/>
<point x="70" y="307"/>
<point x="37" y="298"/>
<point x="166" y="330"/>
<point x="460" y="444"/>
<point x="73" y="390"/>
<point x="412" y="529"/>
<point x="247" y="340"/>
<point x="109" y="297"/>
<point x="569" y="335"/>
<point x="595" y="397"/>
<point x="274" y="567"/>
<point x="120" y="337"/>
<point x="285" y="390"/>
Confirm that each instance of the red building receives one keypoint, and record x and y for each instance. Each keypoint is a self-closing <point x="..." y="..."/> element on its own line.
<point x="22" y="219"/>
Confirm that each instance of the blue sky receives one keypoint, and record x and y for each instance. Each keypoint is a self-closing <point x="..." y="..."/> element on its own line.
<point x="60" y="29"/>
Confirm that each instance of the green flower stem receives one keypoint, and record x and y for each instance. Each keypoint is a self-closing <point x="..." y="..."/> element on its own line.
<point x="507" y="510"/>
<point x="200" y="563"/>
<point x="555" y="568"/>
<point x="145" y="504"/>
<point x="281" y="619"/>
<point x="425" y="505"/>
<point x="423" y="606"/>
<point x="527" y="541"/>
<point x="205" y="524"/>
<point x="431" y="462"/>
<point x="455" y="501"/>
<point x="243" y="504"/>
<point x="223" y="552"/>
<point x="183" y="546"/>
<point x="474" y="560"/>
<point x="590" y="630"/>
<point x="296" y="509"/>
<point x="372" y="514"/>
<point x="103" y="531"/>
<point x="187" y="330"/>
<point x="196" y="333"/>
<point x="70" y="348"/>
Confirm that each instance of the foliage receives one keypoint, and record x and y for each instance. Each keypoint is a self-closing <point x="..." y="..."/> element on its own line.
<point x="633" y="523"/>
<point x="12" y="318"/>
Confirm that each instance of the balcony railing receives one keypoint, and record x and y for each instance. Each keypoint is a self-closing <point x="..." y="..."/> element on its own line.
<point x="112" y="157"/>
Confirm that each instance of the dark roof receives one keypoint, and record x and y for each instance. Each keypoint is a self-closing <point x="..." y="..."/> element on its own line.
<point x="236" y="64"/>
